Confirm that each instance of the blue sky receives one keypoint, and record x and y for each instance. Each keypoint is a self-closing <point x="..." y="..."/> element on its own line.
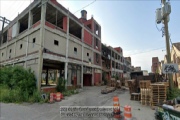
<point x="128" y="24"/>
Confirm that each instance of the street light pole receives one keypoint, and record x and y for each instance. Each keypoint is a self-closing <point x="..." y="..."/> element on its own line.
<point x="167" y="45"/>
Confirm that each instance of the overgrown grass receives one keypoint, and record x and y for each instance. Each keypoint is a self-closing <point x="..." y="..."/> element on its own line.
<point x="8" y="95"/>
<point x="70" y="92"/>
<point x="174" y="93"/>
<point x="18" y="85"/>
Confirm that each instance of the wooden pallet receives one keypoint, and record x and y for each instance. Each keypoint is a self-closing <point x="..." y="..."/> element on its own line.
<point x="108" y="90"/>
<point x="158" y="92"/>
<point x="145" y="96"/>
<point x="135" y="96"/>
<point x="144" y="83"/>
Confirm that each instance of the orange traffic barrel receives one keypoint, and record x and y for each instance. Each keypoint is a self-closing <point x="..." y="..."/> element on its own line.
<point x="51" y="100"/>
<point x="58" y="96"/>
<point x="54" y="96"/>
<point x="127" y="112"/>
<point x="116" y="108"/>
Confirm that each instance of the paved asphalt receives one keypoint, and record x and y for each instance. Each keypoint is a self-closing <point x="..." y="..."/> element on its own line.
<point x="89" y="96"/>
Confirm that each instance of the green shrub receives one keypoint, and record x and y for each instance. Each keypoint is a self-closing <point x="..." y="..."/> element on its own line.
<point x="174" y="93"/>
<point x="70" y="92"/>
<point x="18" y="77"/>
<point x="18" y="85"/>
<point x="61" y="85"/>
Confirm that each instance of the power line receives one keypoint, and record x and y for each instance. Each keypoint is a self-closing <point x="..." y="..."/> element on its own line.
<point x="85" y="6"/>
<point x="157" y="27"/>
<point x="17" y="10"/>
<point x="147" y="51"/>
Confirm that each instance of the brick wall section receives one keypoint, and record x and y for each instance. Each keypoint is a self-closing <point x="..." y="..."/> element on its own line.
<point x="155" y="63"/>
<point x="87" y="38"/>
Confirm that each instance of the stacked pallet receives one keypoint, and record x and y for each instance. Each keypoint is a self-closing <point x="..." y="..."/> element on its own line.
<point x="145" y="96"/>
<point x="158" y="93"/>
<point x="131" y="85"/>
<point x="118" y="84"/>
<point x="144" y="84"/>
<point x="145" y="92"/>
<point x="135" y="96"/>
<point x="113" y="82"/>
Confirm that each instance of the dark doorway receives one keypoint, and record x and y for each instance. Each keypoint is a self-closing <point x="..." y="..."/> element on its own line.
<point x="87" y="79"/>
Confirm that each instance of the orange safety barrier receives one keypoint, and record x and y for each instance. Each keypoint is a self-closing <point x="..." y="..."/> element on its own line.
<point x="127" y="112"/>
<point x="58" y="96"/>
<point x="116" y="108"/>
<point x="51" y="100"/>
<point x="54" y="96"/>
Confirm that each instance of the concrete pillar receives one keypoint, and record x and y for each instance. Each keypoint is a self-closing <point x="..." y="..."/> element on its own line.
<point x="93" y="76"/>
<point x="82" y="57"/>
<point x="42" y="32"/>
<point x="67" y="48"/>
<point x="82" y="76"/>
<point x="27" y="45"/>
<point x="47" y="75"/>
<point x="66" y="72"/>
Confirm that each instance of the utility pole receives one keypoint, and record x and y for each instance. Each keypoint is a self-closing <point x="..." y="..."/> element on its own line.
<point x="4" y="20"/>
<point x="167" y="45"/>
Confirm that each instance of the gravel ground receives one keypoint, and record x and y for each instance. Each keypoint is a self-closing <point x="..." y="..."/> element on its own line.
<point x="89" y="96"/>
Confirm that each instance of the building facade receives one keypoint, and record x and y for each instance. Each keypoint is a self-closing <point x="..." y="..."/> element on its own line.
<point x="175" y="58"/>
<point x="116" y="62"/>
<point x="155" y="64"/>
<point x="54" y="43"/>
<point x="127" y="68"/>
<point x="112" y="62"/>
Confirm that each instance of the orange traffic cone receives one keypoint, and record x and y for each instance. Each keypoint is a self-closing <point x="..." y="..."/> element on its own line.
<point x="58" y="96"/>
<point x="127" y="113"/>
<point x="116" y="108"/>
<point x="51" y="100"/>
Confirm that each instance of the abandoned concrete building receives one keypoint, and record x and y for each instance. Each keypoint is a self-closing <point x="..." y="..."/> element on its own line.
<point x="54" y="43"/>
<point x="112" y="62"/>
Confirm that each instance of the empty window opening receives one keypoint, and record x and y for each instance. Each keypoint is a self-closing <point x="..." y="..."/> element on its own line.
<point x="113" y="54"/>
<point x="2" y="54"/>
<point x="112" y="64"/>
<point x="97" y="58"/>
<point x="88" y="54"/>
<point x="56" y="42"/>
<point x="51" y="14"/>
<point x="116" y="65"/>
<point x="89" y="26"/>
<point x="75" y="50"/>
<point x="36" y="14"/>
<point x="21" y="46"/>
<point x="34" y="40"/>
<point x="5" y="37"/>
<point x="75" y="29"/>
<point x="10" y="51"/>
<point x="96" y="29"/>
<point x="23" y="23"/>
<point x="97" y="43"/>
